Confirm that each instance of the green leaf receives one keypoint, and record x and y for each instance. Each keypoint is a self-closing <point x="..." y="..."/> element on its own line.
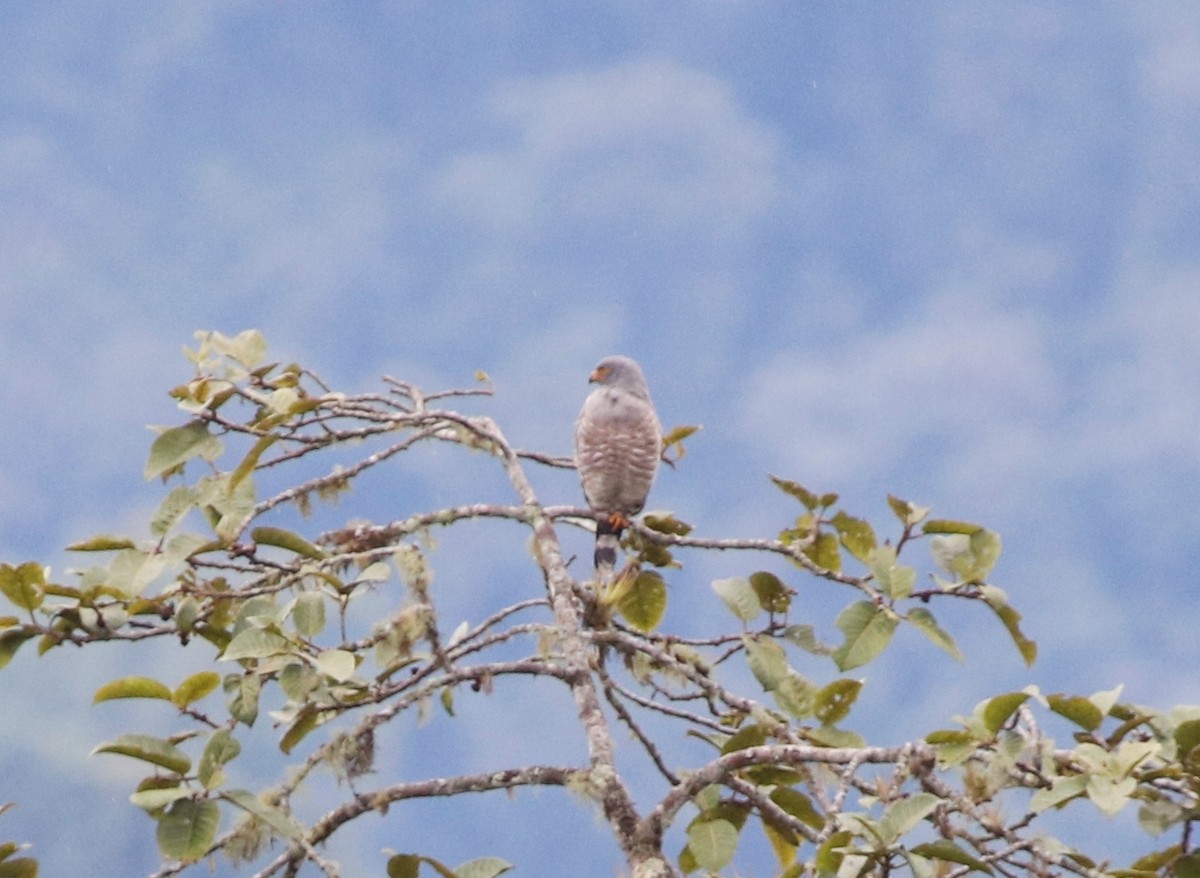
<point x="19" y="867"/>
<point x="995" y="599"/>
<point x="484" y="867"/>
<point x="1187" y="737"/>
<point x="645" y="602"/>
<point x="10" y="641"/>
<point x="147" y="748"/>
<point x="102" y="543"/>
<point x="856" y="535"/>
<point x="830" y="853"/>
<point x="306" y="720"/>
<point x="908" y="513"/>
<point x="949" y="526"/>
<point x="666" y="524"/>
<point x="832" y="704"/>
<point x="767" y="660"/>
<point x="187" y="829"/>
<point x="221" y="749"/>
<point x="256" y="643"/>
<point x="805" y="637"/>
<point x="403" y="866"/>
<point x="795" y="489"/>
<point x="753" y="735"/>
<point x="250" y="461"/>
<point x="868" y="629"/>
<point x="241" y="694"/>
<point x="1077" y="709"/>
<point x="25" y="585"/>
<point x="799" y="806"/>
<point x="946" y="850"/>
<point x="773" y="595"/>
<point x="924" y="622"/>
<point x="132" y="687"/>
<point x="824" y="552"/>
<point x="713" y="843"/>
<point x="739" y="596"/>
<point x="998" y="710"/>
<point x="285" y="539"/>
<point x="177" y="445"/>
<point x="195" y="687"/>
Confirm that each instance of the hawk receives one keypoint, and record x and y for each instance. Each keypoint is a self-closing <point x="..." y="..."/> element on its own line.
<point x="618" y="443"/>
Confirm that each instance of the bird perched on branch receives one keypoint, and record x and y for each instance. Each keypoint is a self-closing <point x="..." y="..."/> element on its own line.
<point x="618" y="443"/>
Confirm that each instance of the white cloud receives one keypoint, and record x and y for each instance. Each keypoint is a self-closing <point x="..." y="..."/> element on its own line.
<point x="962" y="376"/>
<point x="650" y="143"/>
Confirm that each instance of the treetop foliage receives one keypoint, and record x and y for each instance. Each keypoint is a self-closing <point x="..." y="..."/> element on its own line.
<point x="294" y="658"/>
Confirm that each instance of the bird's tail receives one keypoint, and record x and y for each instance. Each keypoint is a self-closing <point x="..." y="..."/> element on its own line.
<point x="608" y="540"/>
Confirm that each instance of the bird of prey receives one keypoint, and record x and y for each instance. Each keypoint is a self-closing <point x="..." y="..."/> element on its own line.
<point x="618" y="442"/>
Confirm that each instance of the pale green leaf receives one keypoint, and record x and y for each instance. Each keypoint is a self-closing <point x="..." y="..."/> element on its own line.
<point x="739" y="596"/>
<point x="483" y="867"/>
<point x="924" y="622"/>
<point x="903" y="814"/>
<point x="1061" y="790"/>
<point x="336" y="663"/>
<point x="178" y="503"/>
<point x="713" y="843"/>
<point x="157" y="798"/>
<point x="256" y="643"/>
<point x="132" y="570"/>
<point x="894" y="580"/>
<point x="308" y="614"/>
<point x="950" y="852"/>
<point x="177" y="445"/>
<point x="767" y="660"/>
<point x="268" y="814"/>
<point x="1110" y="796"/>
<point x="868" y="629"/>
<point x="795" y="695"/>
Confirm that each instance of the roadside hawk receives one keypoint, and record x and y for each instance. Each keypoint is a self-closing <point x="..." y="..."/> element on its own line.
<point x="618" y="443"/>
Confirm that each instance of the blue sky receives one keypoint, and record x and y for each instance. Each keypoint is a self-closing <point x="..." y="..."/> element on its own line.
<point x="946" y="251"/>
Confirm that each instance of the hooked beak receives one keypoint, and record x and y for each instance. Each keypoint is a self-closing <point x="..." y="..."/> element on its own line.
<point x="598" y="374"/>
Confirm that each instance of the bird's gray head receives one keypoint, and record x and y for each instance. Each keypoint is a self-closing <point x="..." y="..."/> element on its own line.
<point x="622" y="373"/>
